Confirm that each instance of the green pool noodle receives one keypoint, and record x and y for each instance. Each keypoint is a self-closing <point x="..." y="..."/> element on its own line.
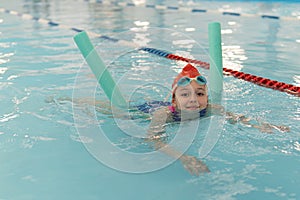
<point x="216" y="64"/>
<point x="99" y="69"/>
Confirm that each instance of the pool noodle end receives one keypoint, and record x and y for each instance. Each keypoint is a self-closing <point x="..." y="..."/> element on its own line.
<point x="84" y="44"/>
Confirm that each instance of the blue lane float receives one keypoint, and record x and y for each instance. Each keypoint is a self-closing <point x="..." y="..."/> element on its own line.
<point x="192" y="10"/>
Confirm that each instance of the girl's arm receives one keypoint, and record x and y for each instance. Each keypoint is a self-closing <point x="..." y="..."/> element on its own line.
<point x="156" y="134"/>
<point x="262" y="126"/>
<point x="156" y="131"/>
<point x="103" y="107"/>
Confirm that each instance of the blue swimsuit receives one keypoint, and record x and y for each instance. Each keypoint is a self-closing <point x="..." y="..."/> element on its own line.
<point x="150" y="107"/>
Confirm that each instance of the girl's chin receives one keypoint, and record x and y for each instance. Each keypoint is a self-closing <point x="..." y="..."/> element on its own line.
<point x="191" y="110"/>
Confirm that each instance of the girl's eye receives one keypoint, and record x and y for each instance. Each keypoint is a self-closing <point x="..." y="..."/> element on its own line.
<point x="200" y="94"/>
<point x="184" y="94"/>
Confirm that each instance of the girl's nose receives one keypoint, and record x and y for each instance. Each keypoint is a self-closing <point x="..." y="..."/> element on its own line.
<point x="193" y="98"/>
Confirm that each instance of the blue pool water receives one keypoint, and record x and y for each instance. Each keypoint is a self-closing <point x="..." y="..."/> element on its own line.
<point x="42" y="153"/>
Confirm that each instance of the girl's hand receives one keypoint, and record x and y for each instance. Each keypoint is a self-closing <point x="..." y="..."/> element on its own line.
<point x="193" y="165"/>
<point x="268" y="128"/>
<point x="281" y="128"/>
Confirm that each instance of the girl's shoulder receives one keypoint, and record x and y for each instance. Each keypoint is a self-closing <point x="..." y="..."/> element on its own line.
<point x="163" y="112"/>
<point x="215" y="109"/>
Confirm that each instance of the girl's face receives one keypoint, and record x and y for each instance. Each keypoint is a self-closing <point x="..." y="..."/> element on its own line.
<point x="192" y="97"/>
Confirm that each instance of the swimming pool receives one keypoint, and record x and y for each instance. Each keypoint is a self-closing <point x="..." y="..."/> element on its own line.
<point x="41" y="153"/>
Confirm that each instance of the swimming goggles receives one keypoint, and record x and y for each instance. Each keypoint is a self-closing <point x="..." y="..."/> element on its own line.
<point x="184" y="81"/>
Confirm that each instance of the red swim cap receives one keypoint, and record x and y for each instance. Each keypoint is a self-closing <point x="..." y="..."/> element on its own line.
<point x="189" y="71"/>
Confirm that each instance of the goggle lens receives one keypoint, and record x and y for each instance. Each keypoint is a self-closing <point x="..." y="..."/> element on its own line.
<point x="184" y="81"/>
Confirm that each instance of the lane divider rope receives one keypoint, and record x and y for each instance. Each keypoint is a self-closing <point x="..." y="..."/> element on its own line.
<point x="192" y="10"/>
<point x="264" y="82"/>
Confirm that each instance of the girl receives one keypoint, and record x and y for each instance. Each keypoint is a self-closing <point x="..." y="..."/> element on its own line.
<point x="190" y="101"/>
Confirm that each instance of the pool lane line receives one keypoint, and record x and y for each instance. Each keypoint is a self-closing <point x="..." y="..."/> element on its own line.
<point x="192" y="10"/>
<point x="261" y="81"/>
